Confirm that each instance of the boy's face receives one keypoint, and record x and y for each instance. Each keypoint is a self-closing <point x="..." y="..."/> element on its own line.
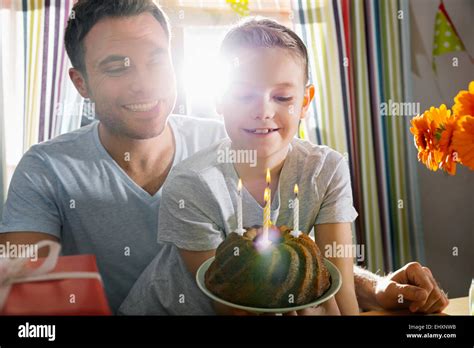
<point x="265" y="100"/>
<point x="130" y="76"/>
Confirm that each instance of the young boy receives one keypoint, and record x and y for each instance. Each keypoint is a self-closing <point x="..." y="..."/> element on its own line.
<point x="266" y="96"/>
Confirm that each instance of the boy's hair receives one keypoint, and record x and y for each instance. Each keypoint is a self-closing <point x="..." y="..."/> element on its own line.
<point x="86" y="13"/>
<point x="264" y="32"/>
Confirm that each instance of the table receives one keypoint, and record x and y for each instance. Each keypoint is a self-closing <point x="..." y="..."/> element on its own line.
<point x="457" y="306"/>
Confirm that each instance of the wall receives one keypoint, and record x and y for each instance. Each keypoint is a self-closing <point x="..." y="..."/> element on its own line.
<point x="447" y="202"/>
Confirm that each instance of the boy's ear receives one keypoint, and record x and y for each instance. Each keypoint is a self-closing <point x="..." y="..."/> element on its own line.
<point x="308" y="97"/>
<point x="79" y="82"/>
<point x="219" y="105"/>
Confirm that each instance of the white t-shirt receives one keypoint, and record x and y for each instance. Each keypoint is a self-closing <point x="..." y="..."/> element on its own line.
<point x="71" y="188"/>
<point x="199" y="210"/>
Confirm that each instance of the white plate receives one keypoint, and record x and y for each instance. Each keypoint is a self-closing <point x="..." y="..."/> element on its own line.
<point x="336" y="282"/>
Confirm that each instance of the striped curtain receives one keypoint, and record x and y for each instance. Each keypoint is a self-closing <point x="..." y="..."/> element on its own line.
<point x="359" y="59"/>
<point x="2" y="134"/>
<point x="35" y="71"/>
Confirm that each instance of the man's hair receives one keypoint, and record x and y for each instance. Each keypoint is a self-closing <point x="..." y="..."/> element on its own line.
<point x="86" y="13"/>
<point x="264" y="32"/>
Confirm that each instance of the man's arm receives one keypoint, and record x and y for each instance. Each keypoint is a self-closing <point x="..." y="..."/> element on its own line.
<point x="27" y="238"/>
<point x="412" y="286"/>
<point x="365" y="284"/>
<point x="31" y="212"/>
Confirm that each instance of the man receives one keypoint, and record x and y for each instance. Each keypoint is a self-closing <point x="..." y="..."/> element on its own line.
<point x="97" y="189"/>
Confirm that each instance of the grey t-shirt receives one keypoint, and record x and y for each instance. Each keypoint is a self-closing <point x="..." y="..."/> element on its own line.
<point x="71" y="188"/>
<point x="199" y="210"/>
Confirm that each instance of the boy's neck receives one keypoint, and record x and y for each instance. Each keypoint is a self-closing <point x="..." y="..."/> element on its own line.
<point x="256" y="176"/>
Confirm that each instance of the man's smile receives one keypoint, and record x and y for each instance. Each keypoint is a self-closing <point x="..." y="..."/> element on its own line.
<point x="141" y="107"/>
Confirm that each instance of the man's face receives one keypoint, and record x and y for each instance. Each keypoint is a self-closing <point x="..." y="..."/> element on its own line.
<point x="130" y="76"/>
<point x="265" y="99"/>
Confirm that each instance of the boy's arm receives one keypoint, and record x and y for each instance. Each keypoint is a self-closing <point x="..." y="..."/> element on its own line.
<point x="193" y="260"/>
<point x="186" y="219"/>
<point x="341" y="234"/>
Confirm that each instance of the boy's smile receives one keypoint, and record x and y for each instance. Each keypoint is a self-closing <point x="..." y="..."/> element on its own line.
<point x="262" y="131"/>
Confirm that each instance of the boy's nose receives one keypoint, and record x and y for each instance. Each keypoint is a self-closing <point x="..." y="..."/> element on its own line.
<point x="263" y="110"/>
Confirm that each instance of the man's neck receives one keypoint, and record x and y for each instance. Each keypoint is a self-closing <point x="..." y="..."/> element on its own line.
<point x="136" y="155"/>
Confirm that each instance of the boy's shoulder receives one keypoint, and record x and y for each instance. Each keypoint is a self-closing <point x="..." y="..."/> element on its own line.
<point x="191" y="126"/>
<point x="315" y="158"/>
<point x="323" y="152"/>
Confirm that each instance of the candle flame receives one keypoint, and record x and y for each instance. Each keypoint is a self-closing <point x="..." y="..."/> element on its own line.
<point x="296" y="190"/>
<point x="239" y="186"/>
<point x="266" y="195"/>
<point x="268" y="176"/>
<point x="263" y="244"/>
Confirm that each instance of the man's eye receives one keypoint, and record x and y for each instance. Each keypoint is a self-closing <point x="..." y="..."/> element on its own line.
<point x="160" y="60"/>
<point x="116" y="71"/>
<point x="284" y="99"/>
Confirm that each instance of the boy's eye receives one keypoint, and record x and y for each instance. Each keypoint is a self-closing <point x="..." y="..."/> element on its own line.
<point x="284" y="99"/>
<point x="245" y="98"/>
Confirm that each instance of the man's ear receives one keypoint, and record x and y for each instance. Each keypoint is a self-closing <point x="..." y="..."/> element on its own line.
<point x="79" y="82"/>
<point x="308" y="97"/>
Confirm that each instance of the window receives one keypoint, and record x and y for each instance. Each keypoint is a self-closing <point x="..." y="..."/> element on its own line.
<point x="201" y="76"/>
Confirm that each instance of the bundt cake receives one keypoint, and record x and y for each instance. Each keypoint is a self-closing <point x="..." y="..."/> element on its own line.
<point x="288" y="272"/>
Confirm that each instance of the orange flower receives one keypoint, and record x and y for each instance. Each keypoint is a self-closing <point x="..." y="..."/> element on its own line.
<point x="463" y="140"/>
<point x="445" y="137"/>
<point x="464" y="102"/>
<point x="438" y="115"/>
<point x="424" y="131"/>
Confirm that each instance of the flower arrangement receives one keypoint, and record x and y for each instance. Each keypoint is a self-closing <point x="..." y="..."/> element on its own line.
<point x="444" y="137"/>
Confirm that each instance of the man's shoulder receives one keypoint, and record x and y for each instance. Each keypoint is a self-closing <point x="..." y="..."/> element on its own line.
<point x="68" y="143"/>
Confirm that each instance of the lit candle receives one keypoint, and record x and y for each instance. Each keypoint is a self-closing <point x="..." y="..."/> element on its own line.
<point x="266" y="210"/>
<point x="240" y="229"/>
<point x="296" y="214"/>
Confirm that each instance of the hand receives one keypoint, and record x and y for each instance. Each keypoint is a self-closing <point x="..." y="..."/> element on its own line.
<point x="412" y="286"/>
<point x="222" y="309"/>
<point x="327" y="308"/>
<point x="319" y="310"/>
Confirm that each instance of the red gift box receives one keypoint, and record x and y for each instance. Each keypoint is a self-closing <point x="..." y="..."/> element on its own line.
<point x="67" y="296"/>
